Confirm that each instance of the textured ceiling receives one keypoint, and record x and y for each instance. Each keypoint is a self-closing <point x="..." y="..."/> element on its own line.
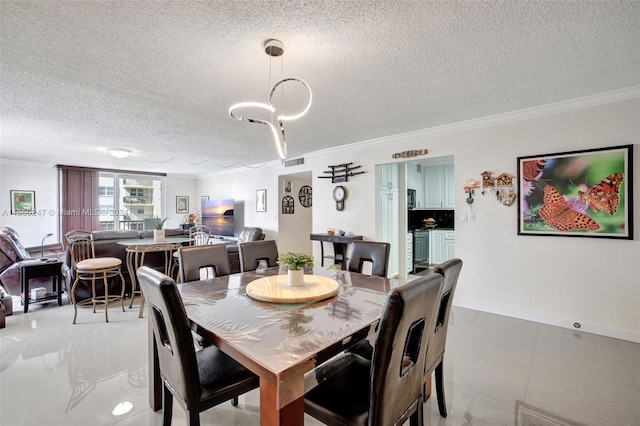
<point x="158" y="77"/>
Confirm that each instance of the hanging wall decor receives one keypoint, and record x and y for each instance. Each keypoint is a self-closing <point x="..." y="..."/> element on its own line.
<point x="287" y="204"/>
<point x="505" y="193"/>
<point x="305" y="195"/>
<point x="341" y="172"/>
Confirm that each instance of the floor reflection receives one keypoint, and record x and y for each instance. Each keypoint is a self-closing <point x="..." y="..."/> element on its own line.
<point x="498" y="371"/>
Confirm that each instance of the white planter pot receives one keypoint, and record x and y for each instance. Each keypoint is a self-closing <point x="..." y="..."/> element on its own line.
<point x="158" y="235"/>
<point x="296" y="278"/>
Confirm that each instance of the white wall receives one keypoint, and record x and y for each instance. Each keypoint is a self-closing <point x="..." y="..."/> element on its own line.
<point x="41" y="178"/>
<point x="301" y="220"/>
<point x="180" y="186"/>
<point x="554" y="280"/>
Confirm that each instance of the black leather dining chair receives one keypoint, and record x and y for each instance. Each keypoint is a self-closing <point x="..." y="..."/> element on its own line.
<point x="194" y="258"/>
<point x="253" y="251"/>
<point x="386" y="390"/>
<point x="198" y="380"/>
<point x="450" y="270"/>
<point x="370" y="251"/>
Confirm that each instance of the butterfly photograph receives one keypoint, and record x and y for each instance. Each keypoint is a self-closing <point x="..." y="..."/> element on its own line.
<point x="579" y="194"/>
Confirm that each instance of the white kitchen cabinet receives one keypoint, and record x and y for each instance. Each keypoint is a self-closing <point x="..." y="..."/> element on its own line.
<point x="388" y="208"/>
<point x="415" y="181"/>
<point x="449" y="188"/>
<point x="439" y="189"/>
<point x="433" y="187"/>
<point x="442" y="245"/>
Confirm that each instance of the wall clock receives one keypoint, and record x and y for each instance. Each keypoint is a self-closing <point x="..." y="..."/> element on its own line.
<point x="305" y="196"/>
<point x="339" y="194"/>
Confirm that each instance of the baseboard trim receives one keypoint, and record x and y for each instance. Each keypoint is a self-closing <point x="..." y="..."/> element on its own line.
<point x="549" y="320"/>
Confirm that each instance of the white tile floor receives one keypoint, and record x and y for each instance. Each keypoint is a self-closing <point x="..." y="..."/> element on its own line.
<point x="498" y="371"/>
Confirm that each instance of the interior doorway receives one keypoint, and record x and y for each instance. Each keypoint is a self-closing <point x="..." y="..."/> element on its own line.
<point x="295" y="207"/>
<point x="407" y="191"/>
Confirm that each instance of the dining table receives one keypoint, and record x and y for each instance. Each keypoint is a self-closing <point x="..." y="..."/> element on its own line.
<point x="281" y="342"/>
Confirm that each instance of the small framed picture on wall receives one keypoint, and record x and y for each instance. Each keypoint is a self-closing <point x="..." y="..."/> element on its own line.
<point x="182" y="204"/>
<point x="261" y="200"/>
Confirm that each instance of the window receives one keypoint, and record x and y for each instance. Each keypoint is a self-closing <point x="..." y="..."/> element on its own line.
<point x="106" y="190"/>
<point x="126" y="200"/>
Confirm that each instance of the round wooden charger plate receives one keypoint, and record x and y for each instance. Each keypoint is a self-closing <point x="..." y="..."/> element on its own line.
<point x="276" y="289"/>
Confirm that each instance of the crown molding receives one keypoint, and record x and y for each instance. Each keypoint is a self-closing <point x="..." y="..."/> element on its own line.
<point x="590" y="101"/>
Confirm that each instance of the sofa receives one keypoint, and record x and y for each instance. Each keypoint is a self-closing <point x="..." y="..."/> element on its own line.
<point x="247" y="234"/>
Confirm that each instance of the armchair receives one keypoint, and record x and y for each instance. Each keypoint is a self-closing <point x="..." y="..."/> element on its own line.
<point x="12" y="253"/>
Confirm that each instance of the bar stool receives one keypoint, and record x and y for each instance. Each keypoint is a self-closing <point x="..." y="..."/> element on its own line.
<point x="86" y="266"/>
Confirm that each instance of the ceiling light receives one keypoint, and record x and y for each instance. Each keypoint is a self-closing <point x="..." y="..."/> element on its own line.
<point x="119" y="152"/>
<point x="273" y="48"/>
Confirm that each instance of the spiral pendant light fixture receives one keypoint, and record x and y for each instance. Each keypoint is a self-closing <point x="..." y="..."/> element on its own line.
<point x="273" y="48"/>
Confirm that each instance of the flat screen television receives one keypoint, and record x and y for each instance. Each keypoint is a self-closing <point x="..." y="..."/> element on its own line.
<point x="218" y="215"/>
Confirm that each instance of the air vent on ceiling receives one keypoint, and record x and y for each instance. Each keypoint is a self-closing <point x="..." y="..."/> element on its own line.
<point x="294" y="162"/>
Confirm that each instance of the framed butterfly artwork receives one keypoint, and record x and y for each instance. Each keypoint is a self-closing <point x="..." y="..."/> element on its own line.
<point x="577" y="194"/>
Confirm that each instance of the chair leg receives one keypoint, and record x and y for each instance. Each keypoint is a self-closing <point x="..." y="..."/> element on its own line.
<point x="234" y="401"/>
<point x="106" y="297"/>
<point x="167" y="406"/>
<point x="193" y="417"/>
<point x="73" y="298"/>
<point x="417" y="417"/>
<point x="93" y="292"/>
<point x="442" y="405"/>
<point x="122" y="292"/>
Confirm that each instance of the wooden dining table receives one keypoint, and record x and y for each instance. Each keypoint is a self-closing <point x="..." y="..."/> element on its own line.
<point x="282" y="343"/>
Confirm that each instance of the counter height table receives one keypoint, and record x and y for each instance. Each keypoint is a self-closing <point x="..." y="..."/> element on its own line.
<point x="279" y="342"/>
<point x="136" y="250"/>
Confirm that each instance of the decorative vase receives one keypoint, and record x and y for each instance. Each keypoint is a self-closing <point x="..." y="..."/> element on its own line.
<point x="158" y="235"/>
<point x="296" y="277"/>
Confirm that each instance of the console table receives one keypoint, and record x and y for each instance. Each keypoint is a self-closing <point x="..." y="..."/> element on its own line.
<point x="340" y="246"/>
<point x="31" y="269"/>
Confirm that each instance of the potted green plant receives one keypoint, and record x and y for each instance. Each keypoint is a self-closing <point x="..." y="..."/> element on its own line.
<point x="296" y="262"/>
<point x="158" y="232"/>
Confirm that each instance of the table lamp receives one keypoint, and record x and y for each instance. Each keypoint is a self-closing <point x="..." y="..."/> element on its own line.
<point x="42" y="246"/>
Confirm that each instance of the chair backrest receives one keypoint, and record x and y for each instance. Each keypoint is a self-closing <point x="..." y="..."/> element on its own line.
<point x="171" y="328"/>
<point x="254" y="251"/>
<point x="200" y="235"/>
<point x="80" y="246"/>
<point x="192" y="259"/>
<point x="370" y="251"/>
<point x="14" y="248"/>
<point x="399" y="352"/>
<point x="450" y="270"/>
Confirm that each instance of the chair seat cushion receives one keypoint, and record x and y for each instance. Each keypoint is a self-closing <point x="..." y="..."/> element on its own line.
<point x="98" y="263"/>
<point x="342" y="395"/>
<point x="220" y="374"/>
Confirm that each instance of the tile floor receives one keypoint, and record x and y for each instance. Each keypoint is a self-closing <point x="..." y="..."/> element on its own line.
<point x="498" y="371"/>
